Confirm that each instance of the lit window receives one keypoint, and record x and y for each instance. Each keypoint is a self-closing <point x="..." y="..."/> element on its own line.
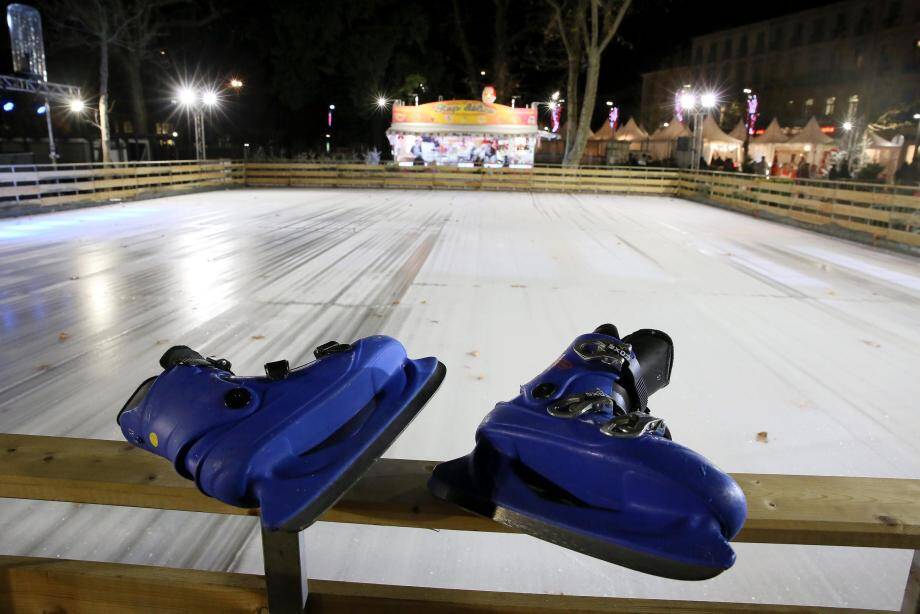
<point x="854" y="105"/>
<point x="809" y="105"/>
<point x="829" y="105"/>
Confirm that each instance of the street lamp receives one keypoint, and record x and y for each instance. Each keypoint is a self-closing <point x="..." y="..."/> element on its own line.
<point x="697" y="105"/>
<point x="196" y="102"/>
<point x="236" y="83"/>
<point x="76" y="105"/>
<point x="382" y="102"/>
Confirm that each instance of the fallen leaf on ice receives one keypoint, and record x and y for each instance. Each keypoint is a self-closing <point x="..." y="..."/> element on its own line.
<point x="257" y="337"/>
<point x="42" y="368"/>
<point x="762" y="437"/>
<point x="474" y="353"/>
<point x="161" y="341"/>
<point x="871" y="344"/>
<point x="62" y="336"/>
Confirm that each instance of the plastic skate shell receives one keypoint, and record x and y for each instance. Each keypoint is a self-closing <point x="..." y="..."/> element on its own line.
<point x="577" y="460"/>
<point x="291" y="442"/>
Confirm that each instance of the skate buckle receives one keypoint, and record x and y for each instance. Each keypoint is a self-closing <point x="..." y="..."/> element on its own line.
<point x="633" y="425"/>
<point x="612" y="354"/>
<point x="580" y="404"/>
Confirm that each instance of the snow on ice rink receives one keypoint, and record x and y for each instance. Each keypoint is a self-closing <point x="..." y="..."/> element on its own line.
<point x="812" y="339"/>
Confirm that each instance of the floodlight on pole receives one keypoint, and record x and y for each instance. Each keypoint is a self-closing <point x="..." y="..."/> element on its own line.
<point x="916" y="115"/>
<point x="687" y="101"/>
<point x="382" y="102"/>
<point x="708" y="100"/>
<point x="186" y="96"/>
<point x="209" y="98"/>
<point x="76" y="106"/>
<point x="236" y="83"/>
<point x="847" y="125"/>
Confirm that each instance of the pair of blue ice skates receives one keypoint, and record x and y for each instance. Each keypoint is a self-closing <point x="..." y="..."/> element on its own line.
<point x="575" y="459"/>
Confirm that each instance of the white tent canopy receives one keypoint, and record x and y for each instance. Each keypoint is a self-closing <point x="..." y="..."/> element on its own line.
<point x="715" y="141"/>
<point x="811" y="135"/>
<point x="739" y="131"/>
<point x="810" y="142"/>
<point x="882" y="151"/>
<point x="764" y="145"/>
<point x="604" y="133"/>
<point x="663" y="141"/>
<point x="630" y="131"/>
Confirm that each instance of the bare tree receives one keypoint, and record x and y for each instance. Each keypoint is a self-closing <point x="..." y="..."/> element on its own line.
<point x="469" y="64"/>
<point x="147" y="24"/>
<point x="99" y="25"/>
<point x="586" y="28"/>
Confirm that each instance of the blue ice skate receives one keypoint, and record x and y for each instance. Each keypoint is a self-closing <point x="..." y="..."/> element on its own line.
<point x="291" y="442"/>
<point x="576" y="459"/>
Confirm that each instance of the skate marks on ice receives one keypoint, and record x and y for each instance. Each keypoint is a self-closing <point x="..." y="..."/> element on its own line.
<point x="258" y="275"/>
<point x="198" y="275"/>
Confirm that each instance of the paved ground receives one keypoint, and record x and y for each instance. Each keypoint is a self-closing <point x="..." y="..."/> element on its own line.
<point x="812" y="339"/>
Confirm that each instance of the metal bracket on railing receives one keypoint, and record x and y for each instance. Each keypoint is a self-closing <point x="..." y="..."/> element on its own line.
<point x="284" y="554"/>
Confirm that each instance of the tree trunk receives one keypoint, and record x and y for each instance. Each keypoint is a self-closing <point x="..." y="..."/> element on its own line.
<point x="104" y="95"/>
<point x="573" y="158"/>
<point x="501" y="73"/>
<point x="472" y="74"/>
<point x="571" y="103"/>
<point x="132" y="65"/>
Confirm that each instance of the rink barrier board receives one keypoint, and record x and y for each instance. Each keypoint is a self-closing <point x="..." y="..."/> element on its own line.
<point x="812" y="510"/>
<point x="783" y="509"/>
<point x="66" y="184"/>
<point x="872" y="212"/>
<point x="60" y="585"/>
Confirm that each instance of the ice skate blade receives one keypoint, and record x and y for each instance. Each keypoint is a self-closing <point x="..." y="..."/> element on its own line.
<point x="453" y="482"/>
<point x="359" y="465"/>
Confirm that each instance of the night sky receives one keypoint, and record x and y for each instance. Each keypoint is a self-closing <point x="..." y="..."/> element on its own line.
<point x="298" y="57"/>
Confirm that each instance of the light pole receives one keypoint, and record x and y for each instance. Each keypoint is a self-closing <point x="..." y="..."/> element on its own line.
<point x="917" y="139"/>
<point x="197" y="102"/>
<point x="697" y="107"/>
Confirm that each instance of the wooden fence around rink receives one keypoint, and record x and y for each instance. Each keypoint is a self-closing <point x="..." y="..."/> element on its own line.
<point x="620" y="180"/>
<point x="864" y="211"/>
<point x="32" y="187"/>
<point x="872" y="213"/>
<point x="836" y="511"/>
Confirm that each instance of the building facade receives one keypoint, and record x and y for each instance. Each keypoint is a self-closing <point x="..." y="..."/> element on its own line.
<point x="850" y="60"/>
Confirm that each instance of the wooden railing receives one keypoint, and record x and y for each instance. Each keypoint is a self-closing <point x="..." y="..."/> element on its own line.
<point x="868" y="512"/>
<point x="875" y="212"/>
<point x="871" y="213"/>
<point x="32" y="187"/>
<point x="539" y="179"/>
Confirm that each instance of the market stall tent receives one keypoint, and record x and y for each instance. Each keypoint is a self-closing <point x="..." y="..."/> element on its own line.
<point x="632" y="132"/>
<point x="764" y="145"/>
<point x="739" y="131"/>
<point x="663" y="142"/>
<point x="715" y="141"/>
<point x="810" y="143"/>
<point x="596" y="148"/>
<point x="880" y="150"/>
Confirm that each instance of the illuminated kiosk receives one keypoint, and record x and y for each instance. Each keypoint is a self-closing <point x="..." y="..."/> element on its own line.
<point x="463" y="133"/>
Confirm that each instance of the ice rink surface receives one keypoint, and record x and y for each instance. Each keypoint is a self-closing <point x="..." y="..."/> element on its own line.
<point x="811" y="339"/>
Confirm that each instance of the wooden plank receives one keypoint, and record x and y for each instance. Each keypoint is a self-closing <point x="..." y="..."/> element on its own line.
<point x="77" y="587"/>
<point x="875" y="512"/>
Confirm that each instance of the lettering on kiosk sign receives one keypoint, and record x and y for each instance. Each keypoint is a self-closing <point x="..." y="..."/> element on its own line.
<point x="469" y="112"/>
